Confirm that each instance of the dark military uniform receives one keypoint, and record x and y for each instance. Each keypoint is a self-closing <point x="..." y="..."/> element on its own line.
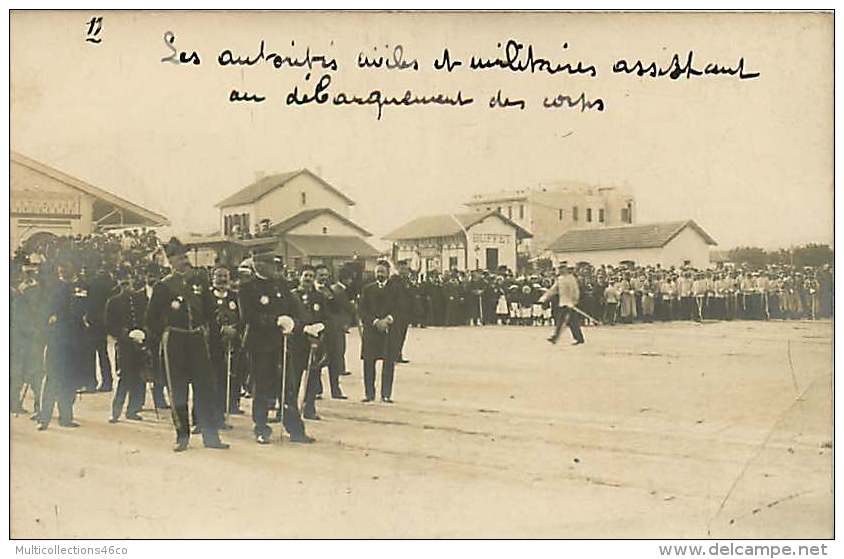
<point x="262" y="302"/>
<point x="307" y="352"/>
<point x="223" y="349"/>
<point x="125" y="313"/>
<point x="65" y="338"/>
<point x="376" y="303"/>
<point x="179" y="315"/>
<point x="28" y="327"/>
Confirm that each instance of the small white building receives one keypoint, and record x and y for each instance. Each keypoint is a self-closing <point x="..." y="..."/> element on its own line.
<point x="298" y="215"/>
<point x="675" y="243"/>
<point x="472" y="241"/>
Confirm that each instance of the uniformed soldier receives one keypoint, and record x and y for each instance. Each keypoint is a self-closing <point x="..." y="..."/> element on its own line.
<point x="399" y="286"/>
<point x="307" y="345"/>
<point x="124" y="321"/>
<point x="267" y="312"/>
<point x="224" y="342"/>
<point x="179" y="314"/>
<point x="65" y="337"/>
<point x="345" y="317"/>
<point x="29" y="329"/>
<point x="376" y="315"/>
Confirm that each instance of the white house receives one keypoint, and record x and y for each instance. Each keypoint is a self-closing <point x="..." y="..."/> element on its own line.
<point x="471" y="241"/>
<point x="297" y="214"/>
<point x="670" y="244"/>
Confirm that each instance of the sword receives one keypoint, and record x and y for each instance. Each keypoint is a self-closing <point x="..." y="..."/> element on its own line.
<point x="283" y="400"/>
<point x="228" y="381"/>
<point x="595" y="320"/>
<point x="304" y="392"/>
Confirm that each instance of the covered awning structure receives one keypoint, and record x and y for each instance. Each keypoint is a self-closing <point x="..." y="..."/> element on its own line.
<point x="327" y="246"/>
<point x="109" y="211"/>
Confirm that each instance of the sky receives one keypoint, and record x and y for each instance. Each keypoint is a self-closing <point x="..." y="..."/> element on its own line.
<point x="750" y="160"/>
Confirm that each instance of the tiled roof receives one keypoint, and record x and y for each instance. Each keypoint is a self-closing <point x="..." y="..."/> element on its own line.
<point x="652" y="235"/>
<point x="307" y="215"/>
<point x="264" y="186"/>
<point x="330" y="245"/>
<point x="148" y="217"/>
<point x="446" y="225"/>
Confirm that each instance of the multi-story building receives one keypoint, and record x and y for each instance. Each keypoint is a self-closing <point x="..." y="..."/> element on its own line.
<point x="551" y="209"/>
<point x="298" y="215"/>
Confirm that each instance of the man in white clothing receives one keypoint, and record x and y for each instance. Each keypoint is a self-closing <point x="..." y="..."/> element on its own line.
<point x="567" y="291"/>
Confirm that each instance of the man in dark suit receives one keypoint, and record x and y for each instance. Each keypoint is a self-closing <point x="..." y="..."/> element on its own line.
<point x="179" y="314"/>
<point x="267" y="312"/>
<point x="343" y="317"/>
<point x="399" y="287"/>
<point x="65" y="336"/>
<point x="124" y="321"/>
<point x="102" y="288"/>
<point x="377" y="309"/>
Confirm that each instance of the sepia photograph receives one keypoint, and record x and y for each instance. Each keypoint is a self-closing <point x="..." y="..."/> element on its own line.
<point x="558" y="275"/>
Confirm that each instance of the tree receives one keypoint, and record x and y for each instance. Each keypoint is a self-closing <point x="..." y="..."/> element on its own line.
<point x="754" y="257"/>
<point x="813" y="255"/>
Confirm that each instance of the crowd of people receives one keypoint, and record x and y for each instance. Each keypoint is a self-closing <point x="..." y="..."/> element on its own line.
<point x="206" y="338"/>
<point x="201" y="338"/>
<point x="625" y="294"/>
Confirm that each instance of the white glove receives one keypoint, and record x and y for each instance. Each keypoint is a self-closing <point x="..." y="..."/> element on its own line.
<point x="314" y="329"/>
<point x="137" y="336"/>
<point x="285" y="323"/>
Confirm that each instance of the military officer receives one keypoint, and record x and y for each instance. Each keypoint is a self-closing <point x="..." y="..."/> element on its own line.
<point x="179" y="315"/>
<point x="267" y="312"/>
<point x="65" y="336"/>
<point x="124" y="321"/>
<point x="223" y="343"/>
<point x="307" y="345"/>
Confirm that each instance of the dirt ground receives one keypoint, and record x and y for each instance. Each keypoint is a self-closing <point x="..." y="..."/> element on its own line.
<point x="677" y="430"/>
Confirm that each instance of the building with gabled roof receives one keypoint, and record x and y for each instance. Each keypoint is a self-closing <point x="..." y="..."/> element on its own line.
<point x="48" y="202"/>
<point x="470" y="241"/>
<point x="549" y="209"/>
<point x="674" y="243"/>
<point x="304" y="218"/>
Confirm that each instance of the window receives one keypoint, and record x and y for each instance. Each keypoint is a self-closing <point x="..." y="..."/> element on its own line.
<point x="510" y="212"/>
<point x="245" y="221"/>
<point x="574" y="213"/>
<point x="499" y="209"/>
<point x="303" y="198"/>
<point x="629" y="212"/>
<point x="521" y="211"/>
<point x="589" y="215"/>
<point x="601" y="215"/>
<point x="226" y="225"/>
<point x="325" y="230"/>
<point x="452" y="262"/>
<point x="624" y="215"/>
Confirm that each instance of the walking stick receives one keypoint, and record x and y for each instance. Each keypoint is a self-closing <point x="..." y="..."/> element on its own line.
<point x="481" y="307"/>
